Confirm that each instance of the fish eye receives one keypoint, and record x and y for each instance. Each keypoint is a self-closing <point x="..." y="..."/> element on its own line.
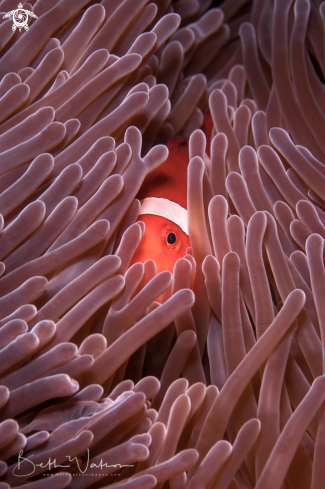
<point x="171" y="238"/>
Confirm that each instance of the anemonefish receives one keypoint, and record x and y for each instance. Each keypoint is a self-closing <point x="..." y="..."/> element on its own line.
<point x="163" y="198"/>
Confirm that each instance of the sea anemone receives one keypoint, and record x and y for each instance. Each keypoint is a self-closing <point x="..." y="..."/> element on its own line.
<point x="111" y="374"/>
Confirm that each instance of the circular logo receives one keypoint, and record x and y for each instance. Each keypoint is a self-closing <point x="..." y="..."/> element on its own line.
<point x="20" y="17"/>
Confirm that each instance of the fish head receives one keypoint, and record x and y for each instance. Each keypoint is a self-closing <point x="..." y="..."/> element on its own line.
<point x="163" y="241"/>
<point x="163" y="197"/>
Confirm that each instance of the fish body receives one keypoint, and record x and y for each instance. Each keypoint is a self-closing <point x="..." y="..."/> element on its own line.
<point x="163" y="197"/>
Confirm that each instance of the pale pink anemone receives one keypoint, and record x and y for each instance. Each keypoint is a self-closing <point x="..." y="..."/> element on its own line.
<point x="219" y="387"/>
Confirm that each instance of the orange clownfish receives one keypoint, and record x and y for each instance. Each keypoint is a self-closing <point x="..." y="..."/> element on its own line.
<point x="163" y="197"/>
